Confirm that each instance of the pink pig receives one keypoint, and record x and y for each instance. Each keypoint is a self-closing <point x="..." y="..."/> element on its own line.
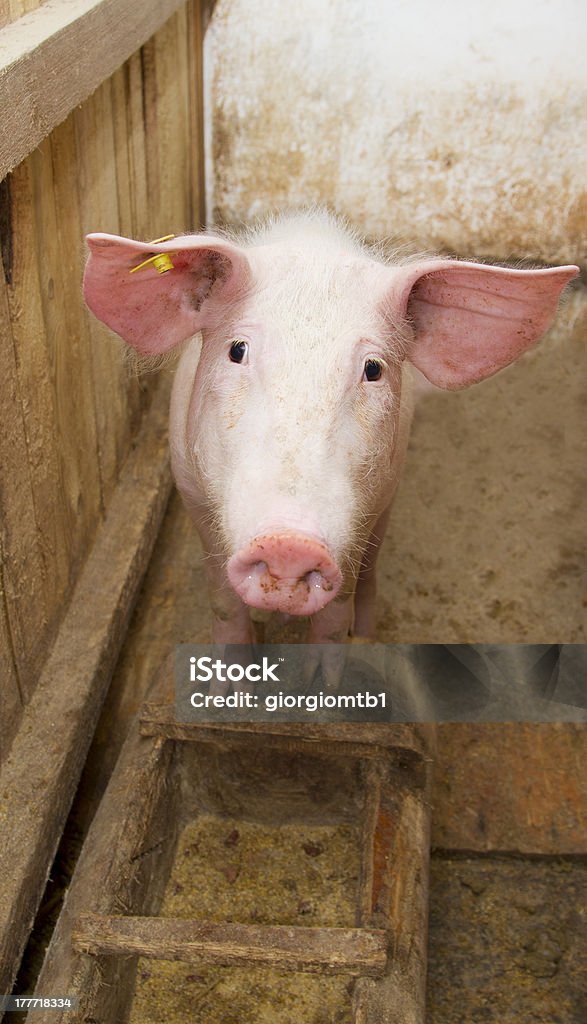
<point x="292" y="400"/>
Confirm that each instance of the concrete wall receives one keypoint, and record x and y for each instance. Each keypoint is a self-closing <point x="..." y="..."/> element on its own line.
<point x="456" y="125"/>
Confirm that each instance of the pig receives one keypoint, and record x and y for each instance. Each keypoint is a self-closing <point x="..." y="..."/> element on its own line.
<point x="293" y="395"/>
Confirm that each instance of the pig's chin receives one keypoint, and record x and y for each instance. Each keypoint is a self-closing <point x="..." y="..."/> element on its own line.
<point x="286" y="571"/>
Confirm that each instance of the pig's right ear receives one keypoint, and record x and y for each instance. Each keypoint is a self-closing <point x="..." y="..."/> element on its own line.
<point x="181" y="289"/>
<point x="471" y="319"/>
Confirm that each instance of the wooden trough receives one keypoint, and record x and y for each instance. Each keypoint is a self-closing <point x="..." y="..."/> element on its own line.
<point x="167" y="775"/>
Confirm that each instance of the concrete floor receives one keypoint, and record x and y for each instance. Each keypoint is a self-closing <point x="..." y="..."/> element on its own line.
<point x="507" y="942"/>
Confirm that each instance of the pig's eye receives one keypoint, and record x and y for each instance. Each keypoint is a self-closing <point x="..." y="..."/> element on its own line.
<point x="373" y="370"/>
<point x="238" y="352"/>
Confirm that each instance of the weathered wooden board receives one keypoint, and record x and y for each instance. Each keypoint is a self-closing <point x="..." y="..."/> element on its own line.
<point x="22" y="568"/>
<point x="98" y="198"/>
<point x="197" y="15"/>
<point x="169" y="144"/>
<point x="54" y="247"/>
<point x="361" y="951"/>
<point x="30" y="289"/>
<point x="409" y="743"/>
<point x="73" y="45"/>
<point x="394" y="890"/>
<point x="121" y="860"/>
<point x="39" y="777"/>
<point x="139" y="209"/>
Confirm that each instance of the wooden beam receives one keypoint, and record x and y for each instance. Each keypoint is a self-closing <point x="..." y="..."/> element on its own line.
<point x="394" y="893"/>
<point x="125" y="861"/>
<point x="410" y="743"/>
<point x="53" y="58"/>
<point x="359" y="951"/>
<point x="40" y="775"/>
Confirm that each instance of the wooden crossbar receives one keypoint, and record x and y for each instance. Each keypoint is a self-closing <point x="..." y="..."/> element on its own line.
<point x="354" y="739"/>
<point x="355" y="951"/>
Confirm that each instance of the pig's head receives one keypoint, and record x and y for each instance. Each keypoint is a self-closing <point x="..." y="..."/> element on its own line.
<point x="293" y="433"/>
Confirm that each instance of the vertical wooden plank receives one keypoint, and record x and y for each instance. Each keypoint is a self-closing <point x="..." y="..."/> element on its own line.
<point x="165" y="100"/>
<point x="76" y="352"/>
<point x="60" y="275"/>
<point x="23" y="569"/>
<point x="99" y="212"/>
<point x="122" y="151"/>
<point x="195" y="83"/>
<point x="394" y="890"/>
<point x="183" y="129"/>
<point x="16" y="8"/>
<point x="120" y="88"/>
<point x="152" y="143"/>
<point x="36" y="383"/>
<point x="41" y="599"/>
<point x="135" y="112"/>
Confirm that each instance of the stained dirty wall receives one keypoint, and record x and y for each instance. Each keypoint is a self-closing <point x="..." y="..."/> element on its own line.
<point x="458" y="126"/>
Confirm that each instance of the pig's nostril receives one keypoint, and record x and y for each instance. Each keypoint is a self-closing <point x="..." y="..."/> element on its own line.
<point x="259" y="575"/>
<point x="257" y="569"/>
<point x="316" y="581"/>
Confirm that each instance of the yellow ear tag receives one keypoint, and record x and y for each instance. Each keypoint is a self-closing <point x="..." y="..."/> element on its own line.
<point x="161" y="261"/>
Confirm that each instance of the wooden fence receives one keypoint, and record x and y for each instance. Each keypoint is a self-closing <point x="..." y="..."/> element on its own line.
<point x="125" y="161"/>
<point x="100" y="129"/>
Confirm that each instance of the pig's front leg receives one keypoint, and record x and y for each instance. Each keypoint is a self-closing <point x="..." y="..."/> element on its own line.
<point x="332" y="625"/>
<point x="231" y="620"/>
<point x="366" y="592"/>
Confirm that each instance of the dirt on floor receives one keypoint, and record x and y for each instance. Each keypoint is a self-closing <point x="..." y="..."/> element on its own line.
<point x="508" y="942"/>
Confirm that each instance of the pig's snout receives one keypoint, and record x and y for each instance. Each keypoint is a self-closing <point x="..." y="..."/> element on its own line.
<point x="286" y="571"/>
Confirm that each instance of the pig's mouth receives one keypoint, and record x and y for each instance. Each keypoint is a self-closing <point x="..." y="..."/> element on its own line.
<point x="286" y="571"/>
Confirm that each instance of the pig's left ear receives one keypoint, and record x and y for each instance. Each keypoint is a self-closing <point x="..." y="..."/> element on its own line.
<point x="471" y="320"/>
<point x="157" y="294"/>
